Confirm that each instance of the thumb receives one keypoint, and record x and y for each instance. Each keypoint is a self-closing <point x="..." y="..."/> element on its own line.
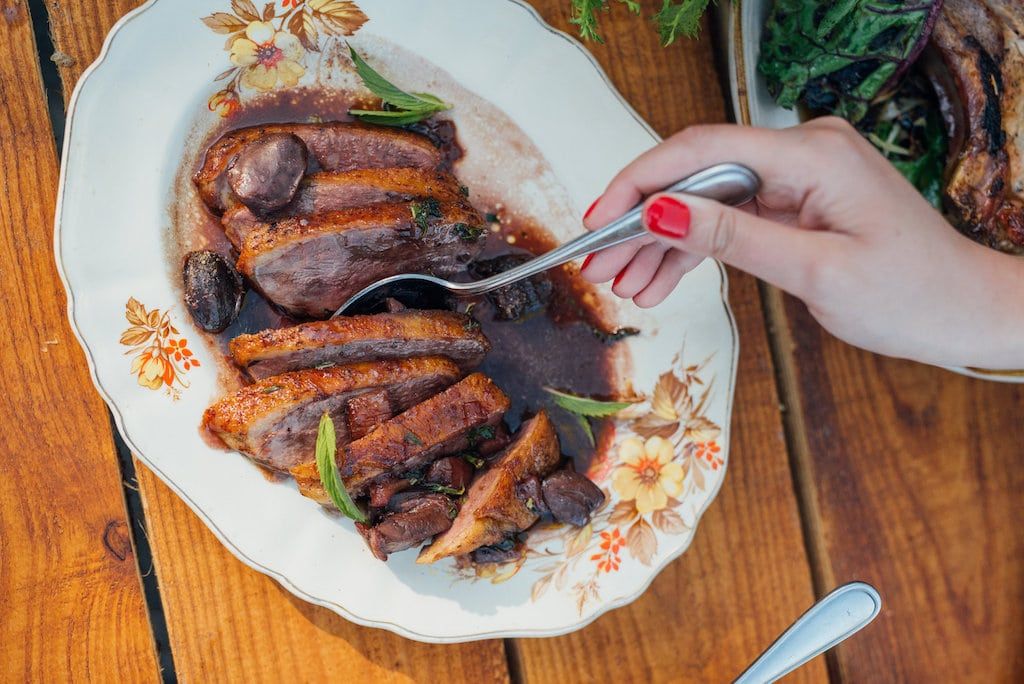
<point x="774" y="252"/>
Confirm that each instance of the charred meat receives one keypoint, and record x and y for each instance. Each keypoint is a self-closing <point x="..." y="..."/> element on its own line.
<point x="493" y="510"/>
<point x="331" y="147"/>
<point x="418" y="520"/>
<point x="274" y="421"/>
<point x="519" y="299"/>
<point x="310" y="266"/>
<point x="349" y="339"/>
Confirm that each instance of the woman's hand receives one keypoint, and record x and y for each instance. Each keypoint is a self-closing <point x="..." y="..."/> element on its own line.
<point x="835" y="225"/>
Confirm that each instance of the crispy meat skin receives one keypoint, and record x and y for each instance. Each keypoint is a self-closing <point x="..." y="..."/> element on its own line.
<point x="492" y="509"/>
<point x="311" y="266"/>
<point x="349" y="339"/>
<point x="333" y="146"/>
<point x="435" y="427"/>
<point x="979" y="45"/>
<point x="430" y="429"/>
<point x="420" y="519"/>
<point x="274" y="421"/>
<point x="333" y="190"/>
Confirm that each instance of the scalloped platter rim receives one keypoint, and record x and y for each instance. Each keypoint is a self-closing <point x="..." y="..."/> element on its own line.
<point x="141" y="99"/>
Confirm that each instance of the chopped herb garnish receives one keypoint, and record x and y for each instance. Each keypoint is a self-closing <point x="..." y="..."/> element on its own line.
<point x="330" y="478"/>
<point x="479" y="434"/>
<point x="467" y="233"/>
<point x="423" y="211"/>
<point x="441" y="489"/>
<point x="402" y="108"/>
<point x="270" y="389"/>
<point x="464" y="190"/>
<point x="412" y="438"/>
<point x="583" y="406"/>
<point x="471" y="324"/>
<point x="473" y="460"/>
<point x="491" y="218"/>
<point x="587" y="430"/>
<point x="530" y="505"/>
<point x="325" y="364"/>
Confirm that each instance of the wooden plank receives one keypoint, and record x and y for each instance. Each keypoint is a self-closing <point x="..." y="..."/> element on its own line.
<point x="229" y="623"/>
<point x="746" y="576"/>
<point x="70" y="598"/>
<point x="225" y="621"/>
<point x="913" y="475"/>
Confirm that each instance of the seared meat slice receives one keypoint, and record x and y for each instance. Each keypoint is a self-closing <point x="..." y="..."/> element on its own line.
<point x="382" y="493"/>
<point x="274" y="421"/>
<point x="453" y="472"/>
<point x="266" y="173"/>
<point x="440" y="425"/>
<point x="980" y="83"/>
<point x="333" y="190"/>
<point x="348" y="339"/>
<point x="492" y="510"/>
<point x="366" y="411"/>
<point x="332" y="147"/>
<point x="418" y="519"/>
<point x="311" y="266"/>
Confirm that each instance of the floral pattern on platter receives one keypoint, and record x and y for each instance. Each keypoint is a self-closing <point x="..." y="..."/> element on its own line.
<point x="268" y="48"/>
<point x="162" y="356"/>
<point x="663" y="455"/>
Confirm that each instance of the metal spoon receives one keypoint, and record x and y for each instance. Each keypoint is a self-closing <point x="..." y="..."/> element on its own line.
<point x="728" y="183"/>
<point x="830" y="621"/>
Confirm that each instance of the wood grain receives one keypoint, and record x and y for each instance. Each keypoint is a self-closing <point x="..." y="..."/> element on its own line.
<point x="914" y="479"/>
<point x="746" y="576"/>
<point x="71" y="604"/>
<point x="229" y="623"/>
<point x="225" y="621"/>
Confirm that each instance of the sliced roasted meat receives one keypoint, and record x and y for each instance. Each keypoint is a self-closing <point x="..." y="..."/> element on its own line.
<point x="366" y="411"/>
<point x="332" y="147"/>
<point x="418" y="519"/>
<point x="980" y="83"/>
<point x="383" y="492"/>
<point x="440" y="425"/>
<point x="266" y="173"/>
<point x="274" y="421"/>
<point x="493" y="510"/>
<point x="333" y="190"/>
<point x="451" y="472"/>
<point x="349" y="339"/>
<point x="311" y="266"/>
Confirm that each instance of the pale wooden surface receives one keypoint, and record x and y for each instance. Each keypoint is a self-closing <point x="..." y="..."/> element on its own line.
<point x="70" y="596"/>
<point x="906" y="477"/>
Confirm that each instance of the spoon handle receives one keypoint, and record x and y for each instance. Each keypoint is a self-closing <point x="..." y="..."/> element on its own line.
<point x="831" y="620"/>
<point x="727" y="183"/>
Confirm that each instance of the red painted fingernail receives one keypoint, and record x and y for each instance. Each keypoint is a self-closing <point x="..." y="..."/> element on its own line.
<point x="668" y="217"/>
<point x="590" y="209"/>
<point x="619" y="277"/>
<point x="586" y="261"/>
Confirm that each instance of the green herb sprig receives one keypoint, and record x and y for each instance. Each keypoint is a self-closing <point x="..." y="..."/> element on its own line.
<point x="584" y="408"/>
<point x="675" y="18"/>
<point x="402" y="108"/>
<point x="330" y="478"/>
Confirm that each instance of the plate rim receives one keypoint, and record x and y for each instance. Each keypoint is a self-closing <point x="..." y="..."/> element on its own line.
<point x="740" y="90"/>
<point x="278" y="577"/>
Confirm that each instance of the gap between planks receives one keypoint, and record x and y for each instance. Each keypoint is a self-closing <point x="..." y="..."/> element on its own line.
<point x="145" y="569"/>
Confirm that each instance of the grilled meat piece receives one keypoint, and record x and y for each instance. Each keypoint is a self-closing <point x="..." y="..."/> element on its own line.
<point x="492" y="510"/>
<point x="505" y="552"/>
<point x="571" y="497"/>
<point x="453" y="472"/>
<point x="366" y="411"/>
<point x="333" y="190"/>
<point x="518" y="299"/>
<point x="418" y="520"/>
<point x="311" y="266"/>
<point x="437" y="426"/>
<point x="382" y="493"/>
<point x="213" y="290"/>
<point x="274" y="421"/>
<point x="332" y="147"/>
<point x="266" y="173"/>
<point x="979" y="78"/>
<point x="349" y="339"/>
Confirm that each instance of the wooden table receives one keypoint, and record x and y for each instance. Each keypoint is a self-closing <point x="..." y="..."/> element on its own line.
<point x="844" y="466"/>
